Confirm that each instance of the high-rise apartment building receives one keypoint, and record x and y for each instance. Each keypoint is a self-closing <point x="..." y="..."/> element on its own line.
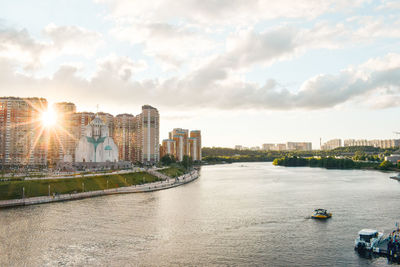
<point x="301" y="146"/>
<point x="185" y="144"/>
<point x="267" y="147"/>
<point x="80" y="120"/>
<point x="147" y="135"/>
<point x="108" y="120"/>
<point x="196" y="154"/>
<point x="23" y="139"/>
<point x="124" y="136"/>
<point x="168" y="147"/>
<point x="332" y="144"/>
<point x="390" y="143"/>
<point x="62" y="140"/>
<point x="193" y="148"/>
<point x="180" y="146"/>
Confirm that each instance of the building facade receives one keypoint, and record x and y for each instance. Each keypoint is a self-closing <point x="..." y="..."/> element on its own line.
<point x="62" y="140"/>
<point x="301" y="146"/>
<point x="168" y="147"/>
<point x="124" y="136"/>
<point x="389" y="143"/>
<point x="331" y="144"/>
<point x="196" y="155"/>
<point x="147" y="137"/>
<point x="96" y="145"/>
<point x="23" y="138"/>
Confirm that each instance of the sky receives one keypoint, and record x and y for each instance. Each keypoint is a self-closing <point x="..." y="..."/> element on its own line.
<point x="244" y="72"/>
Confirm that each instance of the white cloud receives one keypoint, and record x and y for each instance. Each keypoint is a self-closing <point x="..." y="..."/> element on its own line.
<point x="73" y="40"/>
<point x="389" y="5"/>
<point x="223" y="12"/>
<point x="111" y="82"/>
<point x="122" y="67"/>
<point x="19" y="46"/>
<point x="170" y="44"/>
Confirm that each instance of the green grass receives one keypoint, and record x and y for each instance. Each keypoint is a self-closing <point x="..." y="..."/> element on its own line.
<point x="35" y="188"/>
<point x="173" y="171"/>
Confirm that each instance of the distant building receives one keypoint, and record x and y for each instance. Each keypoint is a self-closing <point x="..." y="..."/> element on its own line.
<point x="124" y="136"/>
<point x="300" y="146"/>
<point x="23" y="140"/>
<point x="195" y="150"/>
<point x="108" y="120"/>
<point x="62" y="140"/>
<point x="96" y="145"/>
<point x="280" y="147"/>
<point x="239" y="147"/>
<point x="168" y="147"/>
<point x="185" y="144"/>
<point x="390" y="143"/>
<point x="147" y="135"/>
<point x="394" y="158"/>
<point x="80" y="120"/>
<point x="332" y="144"/>
<point x="267" y="147"/>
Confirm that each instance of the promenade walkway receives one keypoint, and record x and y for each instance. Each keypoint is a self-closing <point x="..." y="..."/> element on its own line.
<point x="149" y="187"/>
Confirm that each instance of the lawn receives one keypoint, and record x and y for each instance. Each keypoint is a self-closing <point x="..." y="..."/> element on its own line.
<point x="173" y="171"/>
<point x="13" y="189"/>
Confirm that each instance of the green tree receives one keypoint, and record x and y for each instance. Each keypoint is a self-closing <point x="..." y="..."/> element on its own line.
<point x="168" y="159"/>
<point x="386" y="165"/>
<point x="187" y="162"/>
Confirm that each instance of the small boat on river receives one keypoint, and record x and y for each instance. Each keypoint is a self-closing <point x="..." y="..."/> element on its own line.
<point x="321" y="214"/>
<point x="397" y="177"/>
<point x="367" y="239"/>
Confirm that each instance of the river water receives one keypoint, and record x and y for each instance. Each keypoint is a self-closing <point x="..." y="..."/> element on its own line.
<point x="239" y="215"/>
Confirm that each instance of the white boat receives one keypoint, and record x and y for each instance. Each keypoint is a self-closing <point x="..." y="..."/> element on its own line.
<point x="368" y="239"/>
<point x="397" y="177"/>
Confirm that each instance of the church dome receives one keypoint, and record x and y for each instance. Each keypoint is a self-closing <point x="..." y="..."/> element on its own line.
<point x="97" y="122"/>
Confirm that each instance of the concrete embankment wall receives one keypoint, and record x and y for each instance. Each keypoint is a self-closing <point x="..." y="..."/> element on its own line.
<point x="161" y="185"/>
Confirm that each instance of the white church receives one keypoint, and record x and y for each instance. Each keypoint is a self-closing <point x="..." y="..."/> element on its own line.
<point x="96" y="145"/>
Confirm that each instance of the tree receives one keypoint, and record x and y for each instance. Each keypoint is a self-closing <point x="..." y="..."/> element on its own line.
<point x="386" y="165"/>
<point x="187" y="162"/>
<point x="168" y="159"/>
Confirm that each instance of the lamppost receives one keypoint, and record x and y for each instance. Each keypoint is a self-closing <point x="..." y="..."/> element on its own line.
<point x="83" y="187"/>
<point x="49" y="190"/>
<point x="23" y="192"/>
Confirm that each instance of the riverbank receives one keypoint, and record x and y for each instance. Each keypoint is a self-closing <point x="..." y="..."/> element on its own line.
<point x="149" y="187"/>
<point x="334" y="163"/>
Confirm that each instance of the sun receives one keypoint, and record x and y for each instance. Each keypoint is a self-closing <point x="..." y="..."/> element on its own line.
<point x="49" y="117"/>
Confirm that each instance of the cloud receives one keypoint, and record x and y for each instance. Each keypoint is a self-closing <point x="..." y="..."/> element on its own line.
<point x="122" y="67"/>
<point x="223" y="12"/>
<point x="170" y="44"/>
<point x="73" y="40"/>
<point x="19" y="46"/>
<point x="113" y="87"/>
<point x="389" y="5"/>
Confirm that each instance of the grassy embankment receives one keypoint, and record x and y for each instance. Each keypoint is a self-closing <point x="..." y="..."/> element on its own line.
<point x="173" y="171"/>
<point x="13" y="189"/>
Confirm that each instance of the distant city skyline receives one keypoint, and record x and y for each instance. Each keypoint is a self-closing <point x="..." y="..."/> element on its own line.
<point x="246" y="72"/>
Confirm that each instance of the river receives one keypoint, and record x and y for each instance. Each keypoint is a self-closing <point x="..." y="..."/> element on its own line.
<point x="238" y="214"/>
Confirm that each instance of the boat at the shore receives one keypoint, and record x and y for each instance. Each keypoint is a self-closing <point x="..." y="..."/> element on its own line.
<point x="321" y="214"/>
<point x="397" y="177"/>
<point x="367" y="239"/>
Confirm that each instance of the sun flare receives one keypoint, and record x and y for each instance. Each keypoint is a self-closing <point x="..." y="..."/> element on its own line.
<point x="49" y="117"/>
